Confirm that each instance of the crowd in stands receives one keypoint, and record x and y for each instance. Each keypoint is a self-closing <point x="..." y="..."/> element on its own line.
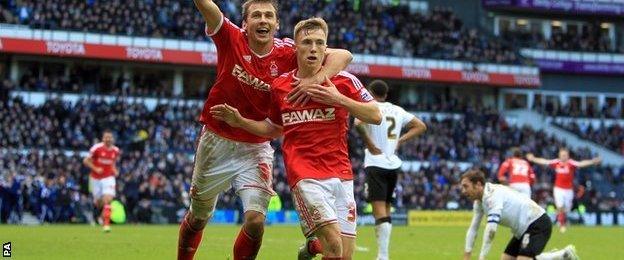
<point x="367" y="27"/>
<point x="43" y="146"/>
<point x="92" y="80"/>
<point x="574" y="109"/>
<point x="611" y="136"/>
<point x="591" y="39"/>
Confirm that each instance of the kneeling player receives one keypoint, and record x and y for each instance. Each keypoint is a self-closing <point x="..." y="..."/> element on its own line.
<point x="529" y="223"/>
<point x="315" y="147"/>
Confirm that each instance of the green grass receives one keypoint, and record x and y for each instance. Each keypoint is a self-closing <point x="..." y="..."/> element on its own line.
<point x="280" y="242"/>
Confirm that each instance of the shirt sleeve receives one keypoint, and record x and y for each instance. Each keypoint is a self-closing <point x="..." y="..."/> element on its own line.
<point x="553" y="163"/>
<point x="93" y="152"/>
<point x="573" y="163"/>
<point x="353" y="88"/>
<point x="407" y="116"/>
<point x="225" y="33"/>
<point x="471" y="234"/>
<point x="495" y="207"/>
<point x="503" y="169"/>
<point x="291" y="54"/>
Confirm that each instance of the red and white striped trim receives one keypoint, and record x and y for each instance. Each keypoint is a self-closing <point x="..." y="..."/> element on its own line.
<point x="356" y="82"/>
<point x="270" y="192"/>
<point x="345" y="234"/>
<point x="303" y="211"/>
<point x="320" y="225"/>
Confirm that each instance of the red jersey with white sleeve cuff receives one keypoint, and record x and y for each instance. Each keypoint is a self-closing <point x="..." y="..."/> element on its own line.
<point x="105" y="158"/>
<point x="244" y="78"/>
<point x="520" y="171"/>
<point x="564" y="172"/>
<point x="315" y="135"/>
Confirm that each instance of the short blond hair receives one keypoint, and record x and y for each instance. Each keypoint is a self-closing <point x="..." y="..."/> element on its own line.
<point x="312" y="24"/>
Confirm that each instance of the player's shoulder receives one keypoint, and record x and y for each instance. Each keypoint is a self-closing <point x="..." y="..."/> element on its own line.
<point x="97" y="146"/>
<point x="283" y="80"/>
<point x="345" y="77"/>
<point x="284" y="45"/>
<point x="116" y="149"/>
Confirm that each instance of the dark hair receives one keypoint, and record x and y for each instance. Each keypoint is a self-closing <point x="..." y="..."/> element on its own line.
<point x="248" y="3"/>
<point x="516" y="152"/>
<point x="379" y="88"/>
<point x="474" y="176"/>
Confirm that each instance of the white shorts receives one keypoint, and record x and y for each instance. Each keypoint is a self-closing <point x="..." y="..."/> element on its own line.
<point x="222" y="163"/>
<point x="347" y="211"/>
<point x="563" y="198"/>
<point x="323" y="202"/>
<point x="522" y="187"/>
<point x="101" y="187"/>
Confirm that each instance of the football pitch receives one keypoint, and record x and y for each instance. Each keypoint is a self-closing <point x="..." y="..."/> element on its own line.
<point x="280" y="242"/>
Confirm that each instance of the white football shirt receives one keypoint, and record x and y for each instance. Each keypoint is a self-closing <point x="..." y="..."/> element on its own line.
<point x="386" y="135"/>
<point x="508" y="207"/>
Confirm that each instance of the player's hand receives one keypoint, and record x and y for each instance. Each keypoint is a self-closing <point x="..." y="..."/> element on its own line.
<point x="374" y="150"/>
<point x="116" y="172"/>
<point x="228" y="114"/>
<point x="597" y="160"/>
<point x="98" y="170"/>
<point x="298" y="96"/>
<point x="328" y="94"/>
<point x="467" y="255"/>
<point x="530" y="156"/>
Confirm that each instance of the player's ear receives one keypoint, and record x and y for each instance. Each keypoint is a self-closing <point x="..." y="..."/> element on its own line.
<point x="244" y="25"/>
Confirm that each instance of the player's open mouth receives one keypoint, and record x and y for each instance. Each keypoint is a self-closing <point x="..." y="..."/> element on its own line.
<point x="312" y="58"/>
<point x="262" y="31"/>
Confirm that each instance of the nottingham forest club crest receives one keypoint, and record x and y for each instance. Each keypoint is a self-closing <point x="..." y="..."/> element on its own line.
<point x="274" y="72"/>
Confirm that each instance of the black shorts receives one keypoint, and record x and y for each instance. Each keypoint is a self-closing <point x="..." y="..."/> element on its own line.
<point x="380" y="184"/>
<point x="533" y="240"/>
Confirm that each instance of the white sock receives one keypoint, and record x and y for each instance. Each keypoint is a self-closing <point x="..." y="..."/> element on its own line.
<point x="382" y="232"/>
<point x="555" y="255"/>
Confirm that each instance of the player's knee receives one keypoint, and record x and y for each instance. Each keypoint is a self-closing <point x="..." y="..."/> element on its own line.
<point x="195" y="222"/>
<point x="254" y="223"/>
<point x="200" y="213"/>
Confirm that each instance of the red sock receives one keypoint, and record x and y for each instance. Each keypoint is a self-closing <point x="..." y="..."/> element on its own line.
<point x="315" y="247"/>
<point x="245" y="246"/>
<point x="561" y="217"/>
<point x="106" y="213"/>
<point x="188" y="240"/>
<point x="331" y="258"/>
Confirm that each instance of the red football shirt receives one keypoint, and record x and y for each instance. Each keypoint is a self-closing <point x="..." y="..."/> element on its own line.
<point x="315" y="135"/>
<point x="105" y="158"/>
<point x="244" y="78"/>
<point x="519" y="170"/>
<point x="564" y="172"/>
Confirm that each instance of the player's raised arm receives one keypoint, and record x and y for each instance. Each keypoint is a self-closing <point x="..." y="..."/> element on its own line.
<point x="586" y="163"/>
<point x="232" y="117"/>
<point x="361" y="129"/>
<point x="416" y="127"/>
<point x="541" y="161"/>
<point x="211" y="13"/>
